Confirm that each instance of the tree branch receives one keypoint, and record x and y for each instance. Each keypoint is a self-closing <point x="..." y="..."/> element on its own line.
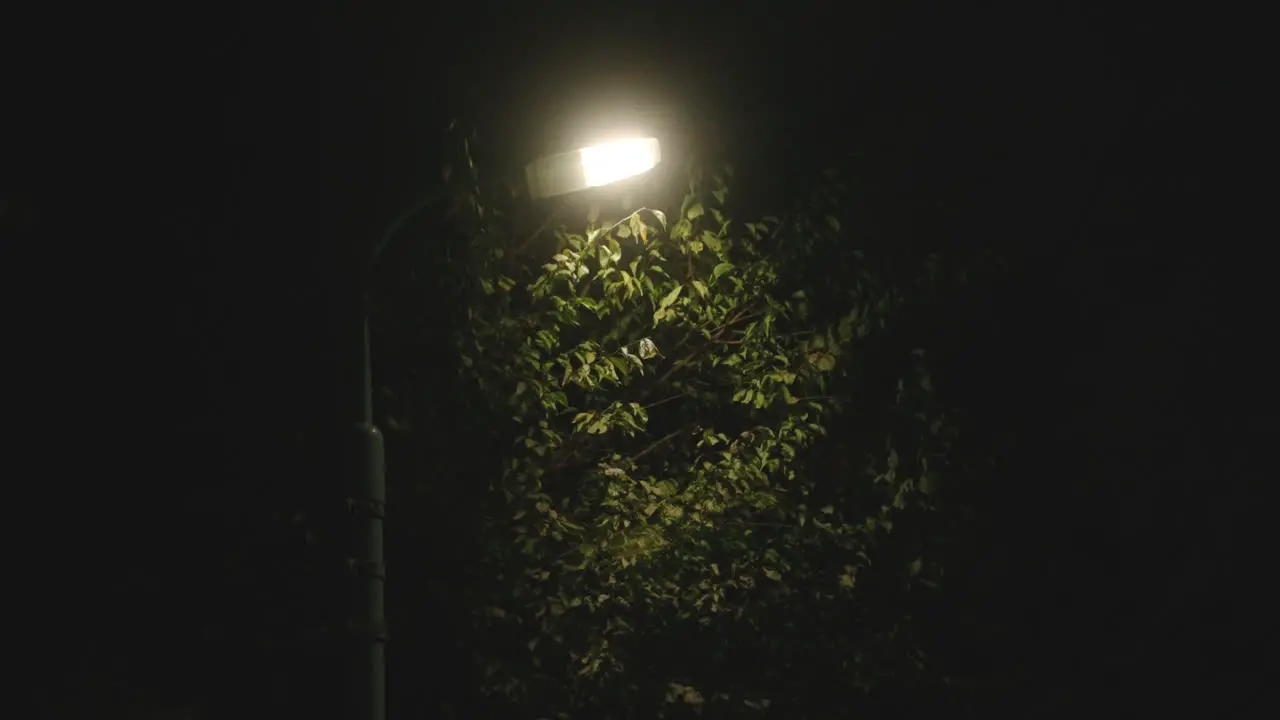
<point x="657" y="443"/>
<point x="551" y="217"/>
<point x="745" y="314"/>
<point x="663" y="401"/>
<point x="672" y="370"/>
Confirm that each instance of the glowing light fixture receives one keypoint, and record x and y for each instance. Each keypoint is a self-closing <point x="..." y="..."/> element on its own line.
<point x="603" y="164"/>
<point x="592" y="166"/>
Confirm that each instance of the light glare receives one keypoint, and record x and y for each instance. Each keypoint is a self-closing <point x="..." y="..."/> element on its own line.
<point x="611" y="162"/>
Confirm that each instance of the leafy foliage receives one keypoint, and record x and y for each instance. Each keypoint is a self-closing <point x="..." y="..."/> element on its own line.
<point x="657" y="539"/>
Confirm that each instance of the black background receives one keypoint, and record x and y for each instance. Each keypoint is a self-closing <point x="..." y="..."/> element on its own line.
<point x="187" y="188"/>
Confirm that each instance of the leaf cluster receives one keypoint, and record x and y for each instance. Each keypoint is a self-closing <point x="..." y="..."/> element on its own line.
<point x="656" y="387"/>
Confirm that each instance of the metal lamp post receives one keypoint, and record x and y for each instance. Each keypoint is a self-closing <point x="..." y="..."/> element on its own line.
<point x="549" y="176"/>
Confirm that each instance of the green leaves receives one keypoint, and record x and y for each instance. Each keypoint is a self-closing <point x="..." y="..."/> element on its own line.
<point x="914" y="566"/>
<point x="647" y="348"/>
<point x="824" y="361"/>
<point x="664" y="305"/>
<point x="657" y="474"/>
<point x="591" y="423"/>
<point x="670" y="297"/>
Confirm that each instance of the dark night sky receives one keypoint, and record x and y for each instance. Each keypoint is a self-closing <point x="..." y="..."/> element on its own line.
<point x="196" y="178"/>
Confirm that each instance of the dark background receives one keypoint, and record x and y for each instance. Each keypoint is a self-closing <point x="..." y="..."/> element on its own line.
<point x="187" y="188"/>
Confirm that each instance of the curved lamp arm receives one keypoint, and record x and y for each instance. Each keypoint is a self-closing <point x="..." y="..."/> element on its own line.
<point x="372" y="260"/>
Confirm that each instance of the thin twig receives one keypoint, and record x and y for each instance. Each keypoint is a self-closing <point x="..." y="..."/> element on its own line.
<point x="551" y="217"/>
<point x="663" y="401"/>
<point x="657" y="443"/>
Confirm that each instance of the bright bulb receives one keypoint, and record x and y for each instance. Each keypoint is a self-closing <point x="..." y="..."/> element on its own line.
<point x="611" y="162"/>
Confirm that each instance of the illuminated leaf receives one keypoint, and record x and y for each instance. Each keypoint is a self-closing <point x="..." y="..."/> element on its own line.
<point x="670" y="297"/>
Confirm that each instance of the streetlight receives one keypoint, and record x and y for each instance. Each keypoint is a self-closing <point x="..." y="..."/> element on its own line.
<point x="593" y="166"/>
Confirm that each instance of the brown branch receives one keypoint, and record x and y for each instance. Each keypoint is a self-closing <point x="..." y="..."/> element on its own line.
<point x="719" y="331"/>
<point x="739" y="318"/>
<point x="674" y="366"/>
<point x="683" y="341"/>
<point x="551" y="217"/>
<point x="578" y="442"/>
<point x="663" y="401"/>
<point x="749" y="523"/>
<point x="715" y="338"/>
<point x="656" y="444"/>
<point x="557" y="472"/>
<point x="567" y="451"/>
<point x="743" y="314"/>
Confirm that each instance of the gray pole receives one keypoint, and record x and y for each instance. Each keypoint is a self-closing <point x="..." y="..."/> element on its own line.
<point x="368" y="503"/>
<point x="368" y="506"/>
